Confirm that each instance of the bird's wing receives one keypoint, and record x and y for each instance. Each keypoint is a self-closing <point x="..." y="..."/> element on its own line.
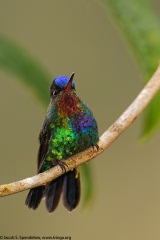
<point x="44" y="140"/>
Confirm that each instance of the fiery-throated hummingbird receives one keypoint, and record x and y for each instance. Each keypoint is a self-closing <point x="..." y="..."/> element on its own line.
<point x="69" y="128"/>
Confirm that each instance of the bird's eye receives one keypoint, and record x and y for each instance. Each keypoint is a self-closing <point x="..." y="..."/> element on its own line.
<point x="55" y="93"/>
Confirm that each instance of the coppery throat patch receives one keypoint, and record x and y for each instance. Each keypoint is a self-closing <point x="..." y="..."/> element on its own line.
<point x="68" y="104"/>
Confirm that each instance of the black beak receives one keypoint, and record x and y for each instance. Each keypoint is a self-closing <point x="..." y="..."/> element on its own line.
<point x="69" y="84"/>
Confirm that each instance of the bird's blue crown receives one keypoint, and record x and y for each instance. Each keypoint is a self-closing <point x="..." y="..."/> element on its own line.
<point x="61" y="81"/>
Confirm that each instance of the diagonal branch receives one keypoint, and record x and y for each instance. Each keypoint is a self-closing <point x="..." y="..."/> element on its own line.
<point x="131" y="113"/>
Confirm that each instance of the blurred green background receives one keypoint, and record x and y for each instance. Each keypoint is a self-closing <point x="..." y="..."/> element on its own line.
<point x="66" y="36"/>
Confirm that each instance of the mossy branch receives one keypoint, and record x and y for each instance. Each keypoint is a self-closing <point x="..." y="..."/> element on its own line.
<point x="124" y="121"/>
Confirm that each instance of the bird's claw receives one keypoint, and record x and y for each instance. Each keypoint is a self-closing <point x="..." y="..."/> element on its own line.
<point x="63" y="165"/>
<point x="95" y="146"/>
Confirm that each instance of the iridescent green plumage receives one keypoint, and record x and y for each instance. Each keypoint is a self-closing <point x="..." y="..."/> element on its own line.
<point x="69" y="128"/>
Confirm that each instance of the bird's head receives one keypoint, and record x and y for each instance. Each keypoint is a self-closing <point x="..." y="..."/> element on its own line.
<point x="63" y="95"/>
<point x="61" y="84"/>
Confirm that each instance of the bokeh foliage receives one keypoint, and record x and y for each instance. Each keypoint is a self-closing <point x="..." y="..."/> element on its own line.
<point x="140" y="26"/>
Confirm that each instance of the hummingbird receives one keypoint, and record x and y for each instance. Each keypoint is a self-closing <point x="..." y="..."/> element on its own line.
<point x="69" y="128"/>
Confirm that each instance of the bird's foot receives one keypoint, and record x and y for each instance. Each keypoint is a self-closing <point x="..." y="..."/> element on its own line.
<point x="95" y="147"/>
<point x="63" y="165"/>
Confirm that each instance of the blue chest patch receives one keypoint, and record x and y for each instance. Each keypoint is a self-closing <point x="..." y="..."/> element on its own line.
<point x="82" y="123"/>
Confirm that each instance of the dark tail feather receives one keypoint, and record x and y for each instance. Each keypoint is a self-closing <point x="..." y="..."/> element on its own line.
<point x="71" y="190"/>
<point x="34" y="197"/>
<point x="53" y="193"/>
